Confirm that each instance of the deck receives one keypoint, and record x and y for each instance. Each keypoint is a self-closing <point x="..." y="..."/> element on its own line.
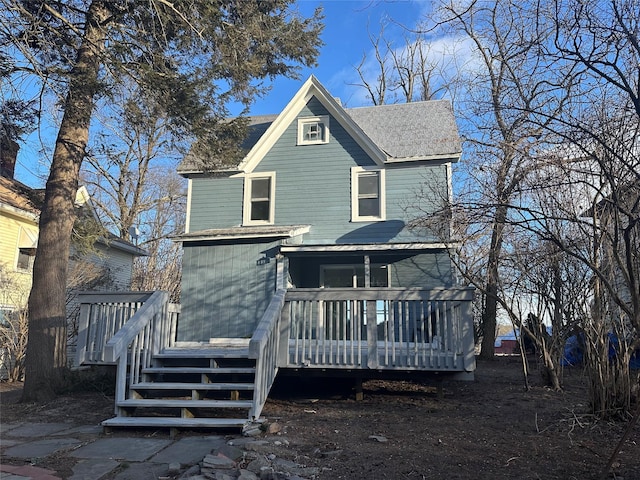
<point x="345" y="331"/>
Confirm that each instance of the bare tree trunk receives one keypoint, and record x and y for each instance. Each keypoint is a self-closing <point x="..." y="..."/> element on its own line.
<point x="490" y="310"/>
<point x="46" y="350"/>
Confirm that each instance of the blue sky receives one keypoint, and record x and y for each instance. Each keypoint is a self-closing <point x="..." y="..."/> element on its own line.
<point x="346" y="39"/>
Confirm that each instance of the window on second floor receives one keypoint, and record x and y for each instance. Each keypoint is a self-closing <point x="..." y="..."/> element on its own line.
<point x="27" y="243"/>
<point x="313" y="130"/>
<point x="259" y="201"/>
<point x="26" y="256"/>
<point x="367" y="194"/>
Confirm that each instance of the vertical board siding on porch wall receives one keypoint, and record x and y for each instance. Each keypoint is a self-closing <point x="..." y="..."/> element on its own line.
<point x="224" y="294"/>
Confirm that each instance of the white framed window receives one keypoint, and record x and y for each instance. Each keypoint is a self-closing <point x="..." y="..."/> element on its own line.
<point x="313" y="130"/>
<point x="367" y="194"/>
<point x="27" y="244"/>
<point x="259" y="199"/>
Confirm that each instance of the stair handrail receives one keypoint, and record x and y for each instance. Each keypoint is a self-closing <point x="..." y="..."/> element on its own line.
<point x="264" y="348"/>
<point x="118" y="345"/>
<point x="146" y="333"/>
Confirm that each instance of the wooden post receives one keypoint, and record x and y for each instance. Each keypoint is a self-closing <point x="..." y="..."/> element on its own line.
<point x="372" y="328"/>
<point x="83" y="331"/>
<point x="466" y="332"/>
<point x="359" y="391"/>
<point x="285" y="327"/>
<point x="372" y="335"/>
<point x="367" y="272"/>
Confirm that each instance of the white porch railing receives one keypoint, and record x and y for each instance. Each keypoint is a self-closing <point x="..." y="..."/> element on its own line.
<point x="264" y="348"/>
<point x="379" y="328"/>
<point x="149" y="331"/>
<point x="102" y="314"/>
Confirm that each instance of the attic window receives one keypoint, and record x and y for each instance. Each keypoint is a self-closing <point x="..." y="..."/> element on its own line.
<point x="313" y="130"/>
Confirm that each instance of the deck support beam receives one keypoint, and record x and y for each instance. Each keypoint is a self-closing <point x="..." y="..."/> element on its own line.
<point x="359" y="390"/>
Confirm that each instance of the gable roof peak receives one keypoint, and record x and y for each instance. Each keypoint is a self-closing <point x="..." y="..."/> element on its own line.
<point x="311" y="88"/>
<point x="388" y="133"/>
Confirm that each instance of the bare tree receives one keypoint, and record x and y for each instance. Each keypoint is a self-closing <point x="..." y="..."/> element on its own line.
<point x="128" y="156"/>
<point x="597" y="167"/>
<point x="404" y="73"/>
<point x="132" y="176"/>
<point x="503" y="91"/>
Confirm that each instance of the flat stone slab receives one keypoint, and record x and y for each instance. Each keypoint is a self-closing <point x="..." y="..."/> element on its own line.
<point x="143" y="471"/>
<point x="35" y="430"/>
<point x="122" y="448"/>
<point x="93" y="468"/>
<point x="5" y="427"/>
<point x="81" y="430"/>
<point x="5" y="442"/>
<point x="40" y="448"/>
<point x="189" y="450"/>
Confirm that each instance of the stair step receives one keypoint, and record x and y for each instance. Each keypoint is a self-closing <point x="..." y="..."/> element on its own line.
<point x="162" y="403"/>
<point x="191" y="386"/>
<point x="213" y="352"/>
<point x="229" y="370"/>
<point x="174" y="422"/>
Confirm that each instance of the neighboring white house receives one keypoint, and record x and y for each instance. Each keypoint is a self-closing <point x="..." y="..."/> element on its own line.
<point x="107" y="265"/>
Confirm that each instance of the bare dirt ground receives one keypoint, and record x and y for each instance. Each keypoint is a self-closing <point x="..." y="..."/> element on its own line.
<point x="489" y="428"/>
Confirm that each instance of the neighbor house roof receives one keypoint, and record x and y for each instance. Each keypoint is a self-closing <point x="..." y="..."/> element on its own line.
<point x="388" y="133"/>
<point x="17" y="195"/>
<point x="27" y="202"/>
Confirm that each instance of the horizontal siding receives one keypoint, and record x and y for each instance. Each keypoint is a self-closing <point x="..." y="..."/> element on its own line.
<point x="225" y="289"/>
<point x="20" y="281"/>
<point x="215" y="203"/>
<point x="119" y="264"/>
<point x="313" y="187"/>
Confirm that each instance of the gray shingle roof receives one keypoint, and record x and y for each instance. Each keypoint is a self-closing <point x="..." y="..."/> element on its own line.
<point x="411" y="130"/>
<point x="407" y="131"/>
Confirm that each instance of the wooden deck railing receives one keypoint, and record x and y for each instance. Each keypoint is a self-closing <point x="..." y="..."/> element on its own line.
<point x="103" y="314"/>
<point x="355" y="328"/>
<point x="379" y="328"/>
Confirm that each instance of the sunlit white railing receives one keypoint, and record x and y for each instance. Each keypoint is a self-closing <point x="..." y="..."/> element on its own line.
<point x="380" y="328"/>
<point x="102" y="314"/>
<point x="148" y="332"/>
<point x="263" y="347"/>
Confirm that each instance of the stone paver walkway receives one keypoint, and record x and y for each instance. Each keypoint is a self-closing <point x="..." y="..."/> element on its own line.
<point x="94" y="454"/>
<point x="84" y="452"/>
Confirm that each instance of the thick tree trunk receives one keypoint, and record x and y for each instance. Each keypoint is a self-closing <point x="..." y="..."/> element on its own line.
<point x="46" y="349"/>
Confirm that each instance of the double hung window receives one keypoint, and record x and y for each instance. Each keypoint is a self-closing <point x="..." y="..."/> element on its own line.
<point x="259" y="205"/>
<point x="367" y="194"/>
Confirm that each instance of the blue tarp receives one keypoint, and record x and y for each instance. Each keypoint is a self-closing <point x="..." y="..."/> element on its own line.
<point x="573" y="352"/>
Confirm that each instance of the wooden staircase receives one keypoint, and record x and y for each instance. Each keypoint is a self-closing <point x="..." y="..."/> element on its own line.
<point x="204" y="387"/>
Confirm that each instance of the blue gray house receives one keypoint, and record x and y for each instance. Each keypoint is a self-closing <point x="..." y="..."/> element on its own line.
<point x="300" y="259"/>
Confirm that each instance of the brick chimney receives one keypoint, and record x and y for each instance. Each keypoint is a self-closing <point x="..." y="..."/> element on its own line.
<point x="8" y="154"/>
